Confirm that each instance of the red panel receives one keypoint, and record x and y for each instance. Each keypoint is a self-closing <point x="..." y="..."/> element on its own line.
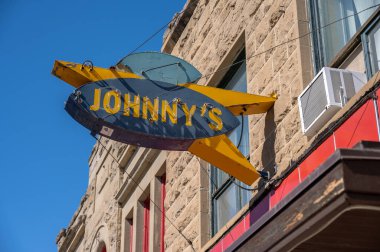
<point x="289" y="183"/>
<point x="259" y="210"/>
<point x="233" y="235"/>
<point x="163" y="194"/>
<point x="104" y="249"/>
<point x="146" y="225"/>
<point x="317" y="157"/>
<point x="130" y="234"/>
<point x="218" y="247"/>
<point x="247" y="221"/>
<point x="360" y="126"/>
<point x="378" y="104"/>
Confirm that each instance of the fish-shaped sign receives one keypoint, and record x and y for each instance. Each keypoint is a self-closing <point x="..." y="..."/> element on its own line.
<point x="157" y="113"/>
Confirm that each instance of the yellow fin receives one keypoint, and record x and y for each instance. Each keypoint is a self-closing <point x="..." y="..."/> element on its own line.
<point x="78" y="75"/>
<point x="222" y="153"/>
<point x="238" y="103"/>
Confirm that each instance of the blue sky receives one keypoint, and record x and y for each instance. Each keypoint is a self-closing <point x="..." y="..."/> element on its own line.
<point x="43" y="152"/>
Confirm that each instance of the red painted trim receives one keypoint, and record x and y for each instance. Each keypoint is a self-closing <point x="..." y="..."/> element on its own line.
<point x="233" y="235"/>
<point x="378" y="108"/>
<point x="218" y="247"/>
<point x="130" y="221"/>
<point x="163" y="195"/>
<point x="146" y="225"/>
<point x="317" y="157"/>
<point x="259" y="210"/>
<point x="361" y="125"/>
<point x="286" y="186"/>
<point x="247" y="220"/>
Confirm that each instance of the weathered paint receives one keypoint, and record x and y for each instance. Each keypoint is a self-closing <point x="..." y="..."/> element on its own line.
<point x="120" y="104"/>
<point x="160" y="67"/>
<point x="136" y="111"/>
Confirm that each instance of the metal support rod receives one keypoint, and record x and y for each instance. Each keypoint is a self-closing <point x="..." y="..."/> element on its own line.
<point x="154" y="68"/>
<point x="374" y="99"/>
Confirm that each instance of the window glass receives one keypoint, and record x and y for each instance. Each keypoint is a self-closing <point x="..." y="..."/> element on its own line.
<point x="338" y="22"/>
<point x="227" y="197"/>
<point x="374" y="48"/>
<point x="226" y="205"/>
<point x="238" y="83"/>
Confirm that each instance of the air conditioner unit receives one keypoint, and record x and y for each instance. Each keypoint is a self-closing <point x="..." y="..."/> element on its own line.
<point x="325" y="95"/>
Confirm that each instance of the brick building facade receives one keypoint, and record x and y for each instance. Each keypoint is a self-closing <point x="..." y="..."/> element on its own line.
<point x="148" y="200"/>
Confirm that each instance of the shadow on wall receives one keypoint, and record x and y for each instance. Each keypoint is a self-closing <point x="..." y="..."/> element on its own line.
<point x="268" y="155"/>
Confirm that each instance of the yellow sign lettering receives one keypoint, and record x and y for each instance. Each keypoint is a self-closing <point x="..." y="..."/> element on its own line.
<point x="96" y="105"/>
<point x="112" y="105"/>
<point x="188" y="113"/>
<point x="152" y="108"/>
<point x="135" y="105"/>
<point x="214" y="114"/>
<point x="107" y="99"/>
<point x="171" y="111"/>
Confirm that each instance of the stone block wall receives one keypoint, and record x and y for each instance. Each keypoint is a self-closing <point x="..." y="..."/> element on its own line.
<point x="277" y="62"/>
<point x="182" y="201"/>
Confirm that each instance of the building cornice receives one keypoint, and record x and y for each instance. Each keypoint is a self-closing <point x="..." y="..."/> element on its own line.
<point x="178" y="25"/>
<point x="68" y="239"/>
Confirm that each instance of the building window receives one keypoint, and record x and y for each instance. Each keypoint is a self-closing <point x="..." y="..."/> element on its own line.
<point x="334" y="23"/>
<point x="227" y="197"/>
<point x="101" y="247"/>
<point x="129" y="235"/>
<point x="145" y="239"/>
<point x="162" y="228"/>
<point x="371" y="41"/>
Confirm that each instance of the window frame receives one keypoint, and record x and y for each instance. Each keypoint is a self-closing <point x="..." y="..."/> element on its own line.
<point x="146" y="224"/>
<point x="316" y="38"/>
<point x="129" y="229"/>
<point x="365" y="41"/>
<point x="215" y="193"/>
<point x="162" y="214"/>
